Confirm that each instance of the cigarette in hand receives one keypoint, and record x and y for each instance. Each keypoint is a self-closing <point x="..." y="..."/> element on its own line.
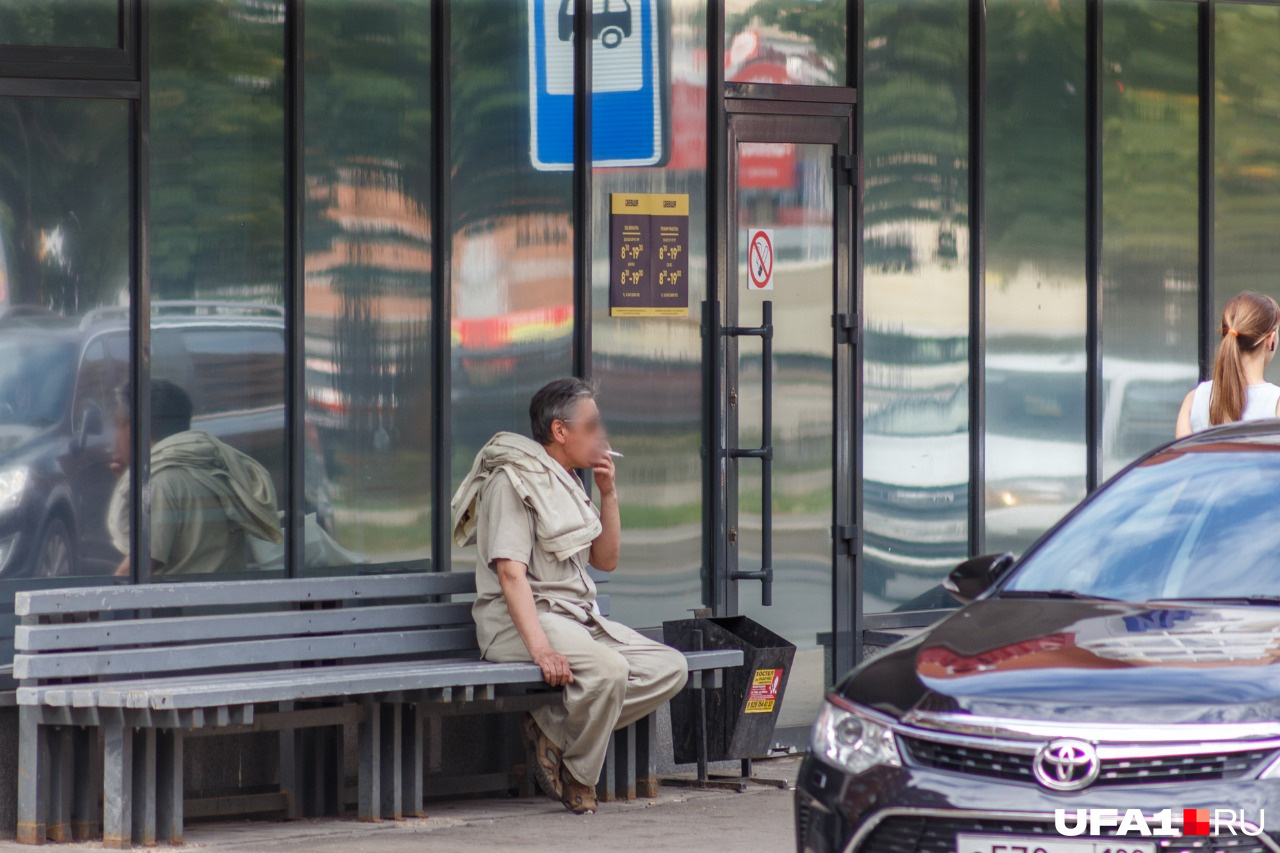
<point x="615" y="454"/>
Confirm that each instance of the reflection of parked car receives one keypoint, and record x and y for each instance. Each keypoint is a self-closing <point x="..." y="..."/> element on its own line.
<point x="610" y="25"/>
<point x="916" y="460"/>
<point x="58" y="379"/>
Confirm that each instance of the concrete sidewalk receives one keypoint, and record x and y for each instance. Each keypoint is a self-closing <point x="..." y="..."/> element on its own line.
<point x="676" y="820"/>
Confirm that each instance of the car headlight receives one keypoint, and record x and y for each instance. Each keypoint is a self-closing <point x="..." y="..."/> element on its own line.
<point x="13" y="482"/>
<point x="852" y="740"/>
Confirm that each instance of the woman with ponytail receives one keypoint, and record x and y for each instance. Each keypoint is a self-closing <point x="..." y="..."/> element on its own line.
<point x="1237" y="391"/>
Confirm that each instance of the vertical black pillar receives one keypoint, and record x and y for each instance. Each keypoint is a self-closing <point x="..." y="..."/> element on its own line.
<point x="977" y="276"/>
<point x="1208" y="331"/>
<point x="295" y="294"/>
<point x="583" y="29"/>
<point x="1093" y="243"/>
<point x="140" y="311"/>
<point x="441" y="287"/>
<point x="715" y="569"/>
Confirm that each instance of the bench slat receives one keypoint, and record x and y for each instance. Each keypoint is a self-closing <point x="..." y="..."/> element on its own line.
<point x="102" y="599"/>
<point x="350" y="680"/>
<point x="242" y="655"/>
<point x="237" y="626"/>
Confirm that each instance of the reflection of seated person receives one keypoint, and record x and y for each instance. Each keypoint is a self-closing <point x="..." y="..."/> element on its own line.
<point x="207" y="498"/>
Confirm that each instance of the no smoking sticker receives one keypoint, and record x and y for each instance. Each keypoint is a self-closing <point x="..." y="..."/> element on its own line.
<point x="760" y="259"/>
<point x="763" y="695"/>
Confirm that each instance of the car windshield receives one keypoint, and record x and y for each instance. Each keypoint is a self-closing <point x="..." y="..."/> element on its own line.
<point x="35" y="379"/>
<point x="1197" y="523"/>
<point x="1034" y="404"/>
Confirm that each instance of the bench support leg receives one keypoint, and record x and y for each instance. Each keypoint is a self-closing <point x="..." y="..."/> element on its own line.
<point x="624" y="742"/>
<point x="390" y="765"/>
<point x="117" y="785"/>
<point x="320" y="775"/>
<point x="291" y="768"/>
<point x="86" y="783"/>
<point x="411" y="761"/>
<point x="144" y="787"/>
<point x="33" y="778"/>
<point x="169" y="786"/>
<point x="370" y="785"/>
<point x="62" y="761"/>
<point x="605" y="790"/>
<point x="646" y="763"/>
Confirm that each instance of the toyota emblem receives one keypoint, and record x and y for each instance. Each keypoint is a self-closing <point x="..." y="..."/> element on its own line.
<point x="1066" y="764"/>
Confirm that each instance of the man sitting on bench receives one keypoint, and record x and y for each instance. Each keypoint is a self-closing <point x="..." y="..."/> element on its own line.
<point x="536" y="530"/>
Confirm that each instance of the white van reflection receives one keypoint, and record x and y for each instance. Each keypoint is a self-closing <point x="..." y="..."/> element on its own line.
<point x="916" y="462"/>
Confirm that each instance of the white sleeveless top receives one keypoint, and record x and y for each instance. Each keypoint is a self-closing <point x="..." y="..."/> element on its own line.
<point x="1259" y="404"/>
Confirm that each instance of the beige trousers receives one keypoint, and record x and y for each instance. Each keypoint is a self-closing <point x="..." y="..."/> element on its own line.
<point x="614" y="684"/>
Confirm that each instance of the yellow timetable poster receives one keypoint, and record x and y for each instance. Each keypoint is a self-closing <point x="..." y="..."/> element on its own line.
<point x="649" y="263"/>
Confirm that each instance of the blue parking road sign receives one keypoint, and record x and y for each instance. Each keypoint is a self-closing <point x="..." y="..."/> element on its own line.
<point x="627" y="79"/>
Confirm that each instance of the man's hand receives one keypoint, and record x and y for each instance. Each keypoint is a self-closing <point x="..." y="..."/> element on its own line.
<point x="555" y="667"/>
<point x="602" y="466"/>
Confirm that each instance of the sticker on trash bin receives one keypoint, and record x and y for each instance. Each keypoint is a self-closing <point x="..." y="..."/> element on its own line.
<point x="764" y="691"/>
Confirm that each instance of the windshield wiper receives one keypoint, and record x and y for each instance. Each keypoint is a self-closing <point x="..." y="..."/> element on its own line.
<point x="1053" y="593"/>
<point x="1267" y="600"/>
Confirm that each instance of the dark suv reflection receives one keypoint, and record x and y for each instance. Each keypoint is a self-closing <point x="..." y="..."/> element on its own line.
<point x="58" y="380"/>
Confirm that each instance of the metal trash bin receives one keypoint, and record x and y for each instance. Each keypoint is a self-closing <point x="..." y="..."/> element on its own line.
<point x="741" y="714"/>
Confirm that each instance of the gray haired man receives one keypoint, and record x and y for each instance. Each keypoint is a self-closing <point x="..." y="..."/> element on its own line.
<point x="536" y="531"/>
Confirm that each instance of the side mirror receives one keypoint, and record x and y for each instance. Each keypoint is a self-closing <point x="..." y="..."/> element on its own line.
<point x="90" y="424"/>
<point x="973" y="577"/>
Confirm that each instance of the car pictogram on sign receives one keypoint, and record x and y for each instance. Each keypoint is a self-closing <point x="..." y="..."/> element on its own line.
<point x="610" y="26"/>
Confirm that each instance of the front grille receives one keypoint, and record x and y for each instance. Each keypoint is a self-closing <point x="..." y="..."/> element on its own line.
<point x="964" y="759"/>
<point x="919" y="834"/>
<point x="997" y="764"/>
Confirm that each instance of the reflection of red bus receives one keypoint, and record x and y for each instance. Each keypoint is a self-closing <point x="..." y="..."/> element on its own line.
<point x="610" y="26"/>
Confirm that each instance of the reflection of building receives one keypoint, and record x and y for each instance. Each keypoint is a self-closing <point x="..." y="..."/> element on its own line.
<point x="368" y="271"/>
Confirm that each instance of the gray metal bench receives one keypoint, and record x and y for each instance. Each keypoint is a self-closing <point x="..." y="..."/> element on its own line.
<point x="135" y="670"/>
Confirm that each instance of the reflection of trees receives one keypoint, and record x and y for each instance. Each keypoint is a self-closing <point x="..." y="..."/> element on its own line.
<point x="492" y="173"/>
<point x="1035" y="134"/>
<point x="915" y="117"/>
<point x="90" y="23"/>
<point x="1150" y="148"/>
<point x="217" y="132"/>
<point x="1247" y="156"/>
<point x="64" y="210"/>
<point x="368" y="166"/>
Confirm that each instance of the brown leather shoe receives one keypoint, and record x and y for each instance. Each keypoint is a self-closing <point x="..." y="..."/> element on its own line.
<point x="578" y="798"/>
<point x="547" y="759"/>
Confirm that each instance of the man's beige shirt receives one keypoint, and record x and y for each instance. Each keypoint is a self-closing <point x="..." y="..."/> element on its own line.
<point x="505" y="530"/>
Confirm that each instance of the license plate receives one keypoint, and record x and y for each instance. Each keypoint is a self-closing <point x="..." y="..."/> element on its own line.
<point x="968" y="843"/>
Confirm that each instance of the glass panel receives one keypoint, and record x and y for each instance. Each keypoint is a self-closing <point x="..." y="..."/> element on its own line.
<point x="650" y="369"/>
<point x="65" y="244"/>
<point x="1035" y="288"/>
<point x="915" y="274"/>
<point x="368" y="277"/>
<point x="776" y="41"/>
<point x="800" y="215"/>
<point x="512" y="237"/>
<point x="217" y="268"/>
<point x="1150" y="204"/>
<point x="1246" y="156"/>
<point x="67" y="23"/>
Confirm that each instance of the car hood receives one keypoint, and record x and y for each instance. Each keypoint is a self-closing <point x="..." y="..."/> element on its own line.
<point x="1084" y="661"/>
<point x="15" y="437"/>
